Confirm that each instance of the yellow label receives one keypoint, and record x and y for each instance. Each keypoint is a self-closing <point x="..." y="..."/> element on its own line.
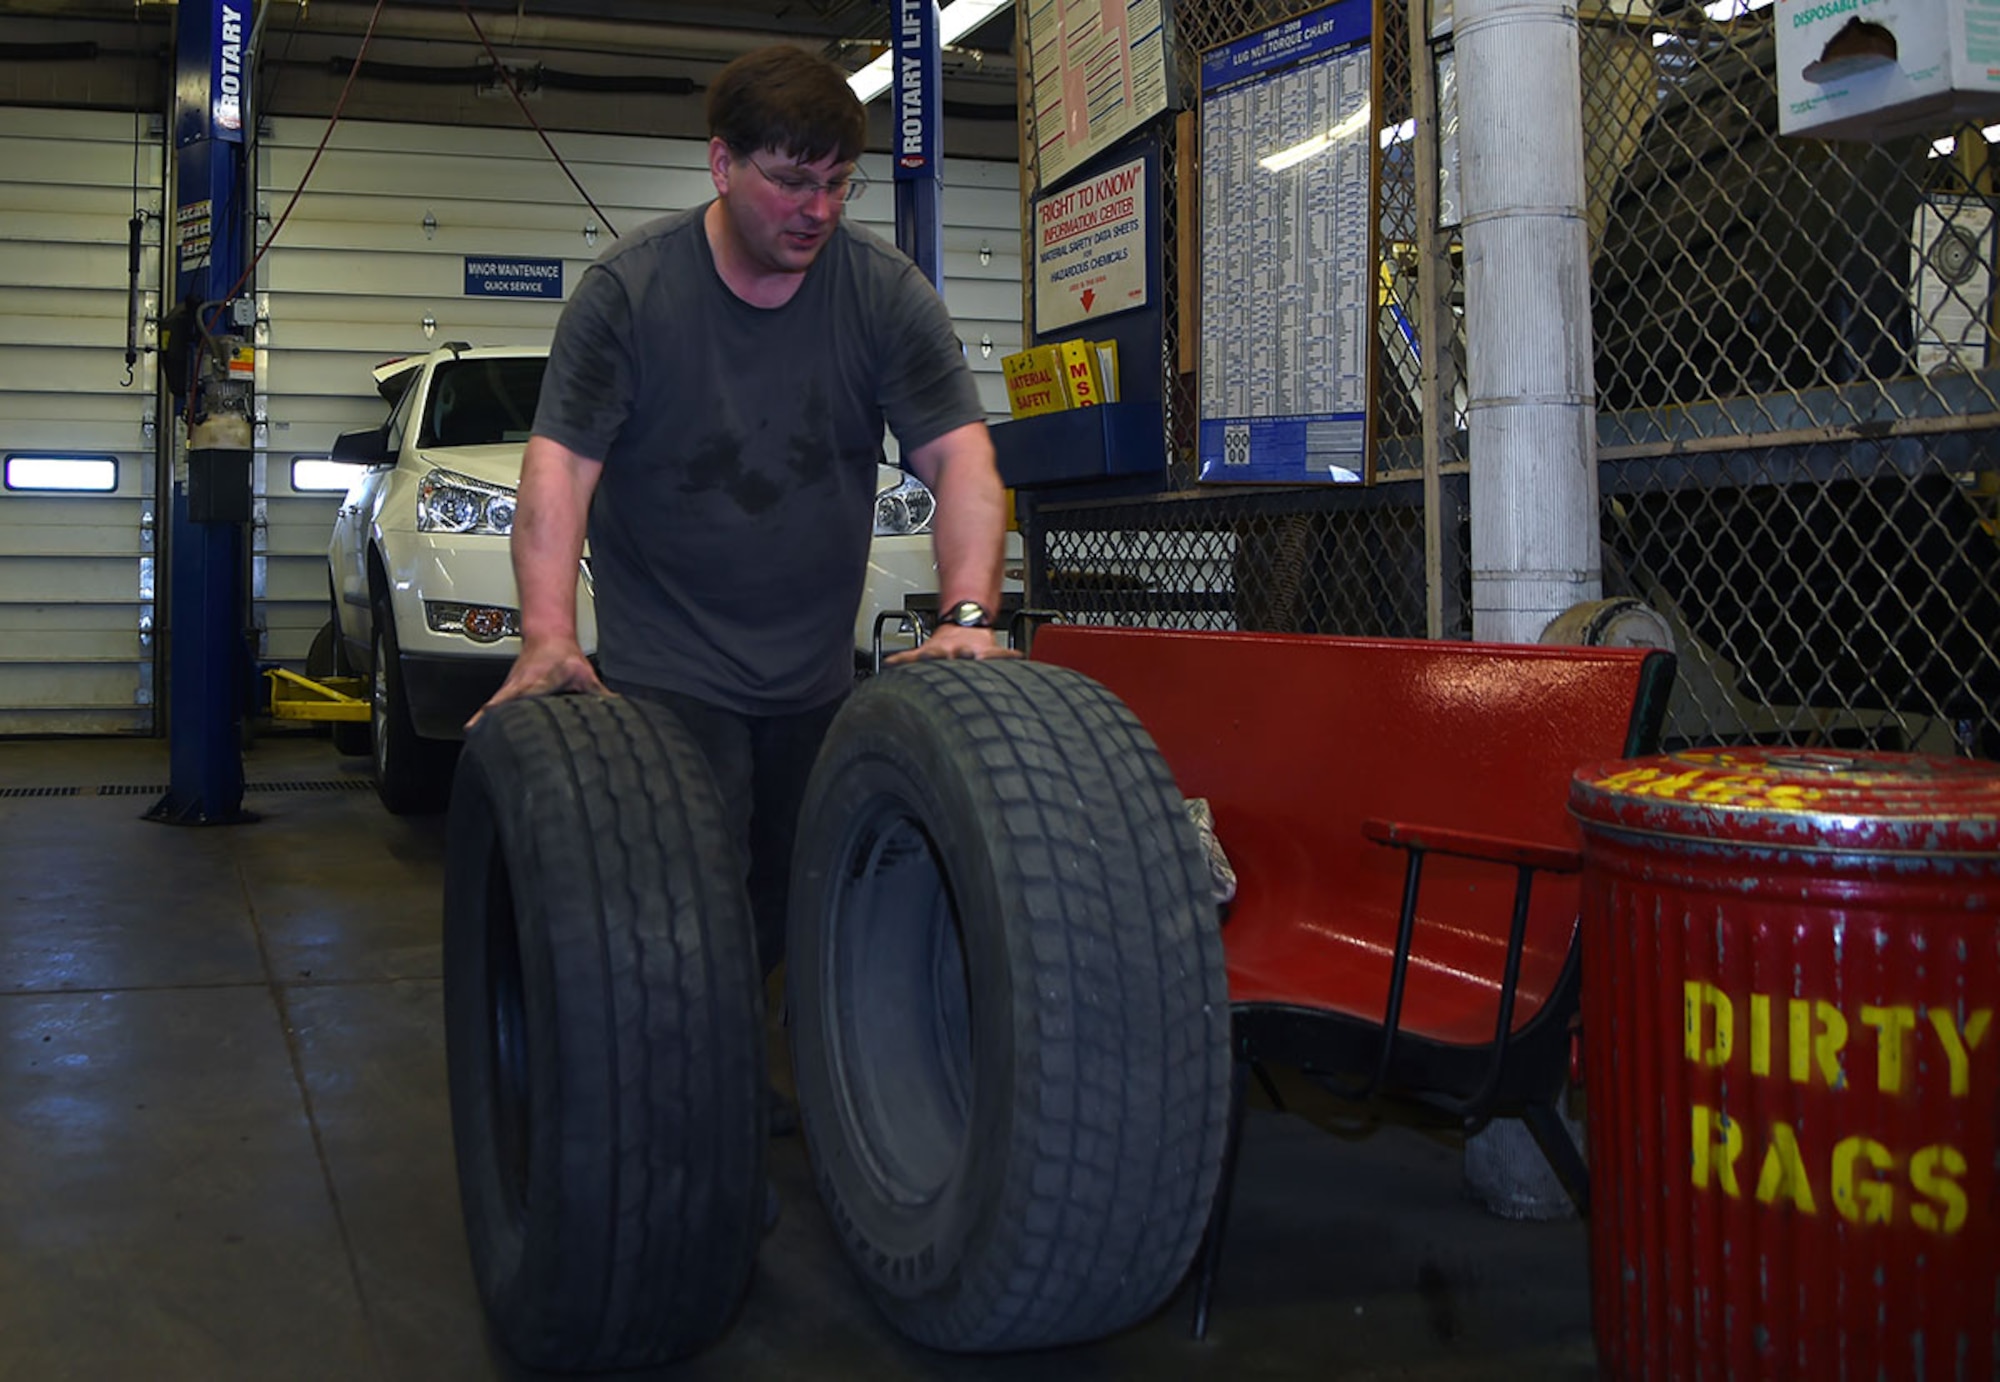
<point x="1080" y="377"/>
<point x="1703" y="786"/>
<point x="1862" y="1180"/>
<point x="1720" y="1029"/>
<point x="1810" y="1041"/>
<point x="1034" y="381"/>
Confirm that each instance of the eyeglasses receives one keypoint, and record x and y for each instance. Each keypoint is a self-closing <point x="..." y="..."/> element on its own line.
<point x="802" y="190"/>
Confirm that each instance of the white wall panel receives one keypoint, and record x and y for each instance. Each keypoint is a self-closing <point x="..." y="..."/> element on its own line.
<point x="373" y="250"/>
<point x="376" y="247"/>
<point x="75" y="572"/>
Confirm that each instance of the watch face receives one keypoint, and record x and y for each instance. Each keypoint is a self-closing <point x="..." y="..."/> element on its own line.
<point x="969" y="614"/>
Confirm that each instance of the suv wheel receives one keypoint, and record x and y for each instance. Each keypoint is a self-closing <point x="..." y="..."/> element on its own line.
<point x="412" y="774"/>
<point x="350" y="737"/>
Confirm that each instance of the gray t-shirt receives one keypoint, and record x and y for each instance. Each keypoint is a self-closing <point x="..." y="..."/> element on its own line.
<point x="729" y="532"/>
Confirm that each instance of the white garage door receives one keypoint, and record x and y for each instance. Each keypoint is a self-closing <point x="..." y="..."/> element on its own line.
<point x="371" y="265"/>
<point x="76" y="567"/>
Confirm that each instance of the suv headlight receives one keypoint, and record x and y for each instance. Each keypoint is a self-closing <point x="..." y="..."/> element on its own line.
<point x="903" y="508"/>
<point x="448" y="502"/>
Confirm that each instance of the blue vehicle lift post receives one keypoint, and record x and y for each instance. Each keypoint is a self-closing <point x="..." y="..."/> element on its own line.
<point x="917" y="116"/>
<point x="208" y="362"/>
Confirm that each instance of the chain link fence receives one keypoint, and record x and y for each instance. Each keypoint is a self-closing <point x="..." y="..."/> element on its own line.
<point x="1330" y="559"/>
<point x="1798" y="424"/>
<point x="1796" y="428"/>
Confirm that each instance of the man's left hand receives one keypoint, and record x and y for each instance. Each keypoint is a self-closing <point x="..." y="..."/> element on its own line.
<point x="953" y="640"/>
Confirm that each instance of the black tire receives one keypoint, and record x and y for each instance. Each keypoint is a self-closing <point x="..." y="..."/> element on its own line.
<point x="412" y="773"/>
<point x="328" y="658"/>
<point x="320" y="657"/>
<point x="1009" y="1014"/>
<point x="604" y="1036"/>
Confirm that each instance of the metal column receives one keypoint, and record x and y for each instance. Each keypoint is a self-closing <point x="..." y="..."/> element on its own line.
<point x="1531" y="414"/>
<point x="917" y="110"/>
<point x="206" y="359"/>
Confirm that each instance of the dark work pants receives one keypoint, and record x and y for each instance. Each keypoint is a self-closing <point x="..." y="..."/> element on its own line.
<point x="760" y="763"/>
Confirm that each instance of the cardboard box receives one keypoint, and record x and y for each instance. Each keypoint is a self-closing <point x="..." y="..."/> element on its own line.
<point x="1886" y="69"/>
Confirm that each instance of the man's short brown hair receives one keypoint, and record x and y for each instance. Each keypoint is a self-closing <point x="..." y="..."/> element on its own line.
<point x="785" y="98"/>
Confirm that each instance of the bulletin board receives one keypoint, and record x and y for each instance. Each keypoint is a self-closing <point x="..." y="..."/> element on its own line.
<point x="1289" y="151"/>
<point x="1098" y="72"/>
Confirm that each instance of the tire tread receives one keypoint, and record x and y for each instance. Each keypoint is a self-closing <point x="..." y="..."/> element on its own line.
<point x="650" y="1248"/>
<point x="1120" y="1102"/>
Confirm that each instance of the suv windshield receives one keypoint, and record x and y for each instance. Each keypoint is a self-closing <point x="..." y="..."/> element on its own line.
<point x="483" y="402"/>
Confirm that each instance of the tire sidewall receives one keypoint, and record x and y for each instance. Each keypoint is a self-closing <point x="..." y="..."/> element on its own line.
<point x="383" y="688"/>
<point x="412" y="774"/>
<point x="508" y="1239"/>
<point x="590" y="881"/>
<point x="1024" y="1155"/>
<point x="914" y="1251"/>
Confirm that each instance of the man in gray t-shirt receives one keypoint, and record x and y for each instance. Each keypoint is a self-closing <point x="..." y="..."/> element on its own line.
<point x="729" y="531"/>
<point x="713" y="408"/>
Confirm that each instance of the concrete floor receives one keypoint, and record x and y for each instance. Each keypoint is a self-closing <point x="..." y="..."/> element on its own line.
<point x="225" y="1152"/>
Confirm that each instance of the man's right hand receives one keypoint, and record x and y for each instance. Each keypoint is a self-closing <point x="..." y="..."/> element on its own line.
<point x="551" y="514"/>
<point x="546" y="669"/>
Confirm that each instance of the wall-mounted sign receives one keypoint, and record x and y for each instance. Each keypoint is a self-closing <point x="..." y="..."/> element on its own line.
<point x="513" y="278"/>
<point x="193" y="229"/>
<point x="1099" y="70"/>
<point x="918" y="103"/>
<point x="1090" y="248"/>
<point x="1288" y="217"/>
<point x="226" y="77"/>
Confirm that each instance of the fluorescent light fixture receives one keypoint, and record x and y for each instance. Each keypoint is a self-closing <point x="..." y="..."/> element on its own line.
<point x="1318" y="144"/>
<point x="955" y="21"/>
<point x="318" y="475"/>
<point x="1947" y="146"/>
<point x="872" y="80"/>
<point x="63" y="474"/>
<point x="1721" y="11"/>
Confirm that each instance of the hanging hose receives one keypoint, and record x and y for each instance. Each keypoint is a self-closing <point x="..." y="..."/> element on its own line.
<point x="133" y="304"/>
<point x="207" y="328"/>
<point x="500" y="69"/>
<point x="135" y="307"/>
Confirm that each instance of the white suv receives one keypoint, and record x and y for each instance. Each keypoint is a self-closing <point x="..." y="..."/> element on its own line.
<point x="422" y="582"/>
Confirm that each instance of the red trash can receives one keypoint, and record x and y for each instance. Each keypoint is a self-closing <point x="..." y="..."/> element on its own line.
<point x="1791" y="965"/>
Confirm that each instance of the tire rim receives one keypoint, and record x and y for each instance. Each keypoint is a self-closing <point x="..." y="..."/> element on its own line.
<point x="899" y="1007"/>
<point x="507" y="1039"/>
<point x="378" y="708"/>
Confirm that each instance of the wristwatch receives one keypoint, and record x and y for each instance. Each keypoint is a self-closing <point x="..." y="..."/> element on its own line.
<point x="967" y="614"/>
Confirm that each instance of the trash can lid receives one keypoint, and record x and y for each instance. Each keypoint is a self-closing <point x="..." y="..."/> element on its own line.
<point x="1817" y="799"/>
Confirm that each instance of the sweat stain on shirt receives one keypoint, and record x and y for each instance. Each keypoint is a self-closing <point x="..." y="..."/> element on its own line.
<point x="808" y="458"/>
<point x="716" y="463"/>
